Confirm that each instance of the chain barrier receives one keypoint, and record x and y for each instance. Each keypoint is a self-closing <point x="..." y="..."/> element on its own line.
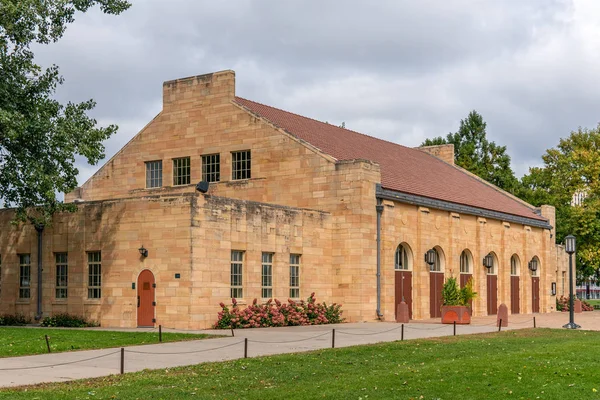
<point x="367" y="334"/>
<point x="183" y="352"/>
<point x="57" y="365"/>
<point x="427" y="329"/>
<point x="289" y="341"/>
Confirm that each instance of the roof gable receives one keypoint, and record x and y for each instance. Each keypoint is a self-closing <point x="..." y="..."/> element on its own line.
<point x="403" y="169"/>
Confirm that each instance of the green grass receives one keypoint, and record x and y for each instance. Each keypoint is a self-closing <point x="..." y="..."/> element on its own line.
<point x="526" y="364"/>
<point x="26" y="341"/>
<point x="594" y="302"/>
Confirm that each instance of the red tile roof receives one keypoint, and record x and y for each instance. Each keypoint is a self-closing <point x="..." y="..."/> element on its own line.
<point x="403" y="169"/>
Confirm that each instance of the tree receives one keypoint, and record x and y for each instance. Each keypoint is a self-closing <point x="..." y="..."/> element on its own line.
<point x="573" y="167"/>
<point x="473" y="152"/>
<point x="39" y="137"/>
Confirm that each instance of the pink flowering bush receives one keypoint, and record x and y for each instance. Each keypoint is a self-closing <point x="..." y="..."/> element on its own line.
<point x="275" y="313"/>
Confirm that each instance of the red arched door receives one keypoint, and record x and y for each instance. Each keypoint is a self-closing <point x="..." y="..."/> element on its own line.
<point x="145" y="299"/>
<point x="535" y="291"/>
<point x="492" y="294"/>
<point x="436" y="282"/>
<point x="514" y="294"/>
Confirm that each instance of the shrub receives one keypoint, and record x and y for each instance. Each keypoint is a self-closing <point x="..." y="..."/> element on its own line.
<point x="562" y="304"/>
<point x="455" y="296"/>
<point x="65" y="320"/>
<point x="14" y="320"/>
<point x="275" y="313"/>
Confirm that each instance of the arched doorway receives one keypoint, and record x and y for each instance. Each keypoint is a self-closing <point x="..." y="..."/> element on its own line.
<point x="515" y="297"/>
<point x="492" y="286"/>
<point x="403" y="277"/>
<point x="145" y="299"/>
<point x="534" y="268"/>
<point x="436" y="282"/>
<point x="466" y="271"/>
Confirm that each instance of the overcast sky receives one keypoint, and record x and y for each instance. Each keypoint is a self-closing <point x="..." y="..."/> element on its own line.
<point x="398" y="70"/>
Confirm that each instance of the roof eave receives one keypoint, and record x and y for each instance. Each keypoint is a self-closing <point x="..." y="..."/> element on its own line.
<point x="458" y="208"/>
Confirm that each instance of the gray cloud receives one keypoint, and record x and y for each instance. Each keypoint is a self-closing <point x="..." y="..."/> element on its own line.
<point x="399" y="70"/>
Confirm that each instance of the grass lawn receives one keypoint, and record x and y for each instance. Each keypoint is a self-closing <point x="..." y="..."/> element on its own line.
<point x="525" y="364"/>
<point x="595" y="302"/>
<point x="25" y="341"/>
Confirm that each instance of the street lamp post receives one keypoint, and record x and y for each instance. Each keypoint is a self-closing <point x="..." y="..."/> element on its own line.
<point x="570" y="249"/>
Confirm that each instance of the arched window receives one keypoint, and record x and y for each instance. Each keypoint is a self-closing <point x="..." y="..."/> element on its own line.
<point x="537" y="270"/>
<point x="439" y="261"/>
<point x="465" y="262"/>
<point x="494" y="269"/>
<point x="402" y="259"/>
<point x="514" y="265"/>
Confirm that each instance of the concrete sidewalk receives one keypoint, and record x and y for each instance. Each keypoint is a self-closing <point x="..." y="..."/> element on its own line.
<point x="263" y="341"/>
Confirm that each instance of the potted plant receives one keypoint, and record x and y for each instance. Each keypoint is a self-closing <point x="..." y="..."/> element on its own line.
<point x="456" y="302"/>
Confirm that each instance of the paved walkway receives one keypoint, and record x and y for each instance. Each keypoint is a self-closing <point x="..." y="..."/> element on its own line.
<point x="264" y="341"/>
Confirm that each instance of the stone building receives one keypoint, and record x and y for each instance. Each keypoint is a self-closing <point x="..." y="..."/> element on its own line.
<point x="288" y="206"/>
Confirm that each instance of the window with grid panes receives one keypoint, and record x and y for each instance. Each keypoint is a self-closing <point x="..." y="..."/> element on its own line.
<point x="24" y="276"/>
<point x="267" y="276"/>
<point x="240" y="165"/>
<point x="513" y="266"/>
<point x="211" y="168"/>
<point x="294" y="276"/>
<point x="237" y="259"/>
<point x="437" y="265"/>
<point x="464" y="263"/>
<point x="153" y="174"/>
<point x="401" y="258"/>
<point x="62" y="277"/>
<point x="181" y="171"/>
<point x="94" y="275"/>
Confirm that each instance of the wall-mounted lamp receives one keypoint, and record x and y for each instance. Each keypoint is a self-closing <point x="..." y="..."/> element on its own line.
<point x="143" y="251"/>
<point x="488" y="261"/>
<point x="553" y="289"/>
<point x="533" y="264"/>
<point x="430" y="256"/>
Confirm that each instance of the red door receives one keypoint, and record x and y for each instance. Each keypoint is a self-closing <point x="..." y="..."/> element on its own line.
<point x="145" y="299"/>
<point x="492" y="294"/>
<point x="404" y="290"/>
<point x="464" y="278"/>
<point x="535" y="292"/>
<point x="436" y="281"/>
<point x="515" y="298"/>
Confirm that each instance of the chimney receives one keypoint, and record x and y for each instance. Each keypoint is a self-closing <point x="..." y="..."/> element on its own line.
<point x="201" y="90"/>
<point x="444" y="152"/>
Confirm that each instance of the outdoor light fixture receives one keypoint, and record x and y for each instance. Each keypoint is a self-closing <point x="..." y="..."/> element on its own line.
<point x="430" y="256"/>
<point x="570" y="249"/>
<point x="488" y="261"/>
<point x="143" y="251"/>
<point x="533" y="264"/>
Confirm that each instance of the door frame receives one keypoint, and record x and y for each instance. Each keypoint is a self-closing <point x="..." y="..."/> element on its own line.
<point x="138" y="298"/>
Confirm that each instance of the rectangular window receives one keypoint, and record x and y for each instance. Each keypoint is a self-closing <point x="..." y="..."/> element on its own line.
<point x="62" y="276"/>
<point x="153" y="174"/>
<point x="211" y="168"/>
<point x="181" y="171"/>
<point x="267" y="276"/>
<point x="24" y="276"/>
<point x="295" y="276"/>
<point x="237" y="258"/>
<point x="240" y="165"/>
<point x="94" y="275"/>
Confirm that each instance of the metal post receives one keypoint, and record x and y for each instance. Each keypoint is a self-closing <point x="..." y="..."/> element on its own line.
<point x="454" y="327"/>
<point x="122" y="360"/>
<point x="160" y="333"/>
<point x="534" y="323"/>
<point x="402" y="334"/>
<point x="232" y="333"/>
<point x="571" y="324"/>
<point x="333" y="339"/>
<point x="47" y="343"/>
<point x="500" y="325"/>
<point x="379" y="209"/>
<point x="245" y="347"/>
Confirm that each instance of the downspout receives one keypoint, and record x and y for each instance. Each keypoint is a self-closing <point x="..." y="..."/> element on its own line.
<point x="40" y="230"/>
<point x="379" y="208"/>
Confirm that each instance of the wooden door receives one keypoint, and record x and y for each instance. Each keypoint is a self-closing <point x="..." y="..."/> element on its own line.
<point x="436" y="282"/>
<point x="515" y="297"/>
<point x="404" y="290"/>
<point x="145" y="299"/>
<point x="492" y="294"/>
<point x="535" y="292"/>
<point x="464" y="278"/>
